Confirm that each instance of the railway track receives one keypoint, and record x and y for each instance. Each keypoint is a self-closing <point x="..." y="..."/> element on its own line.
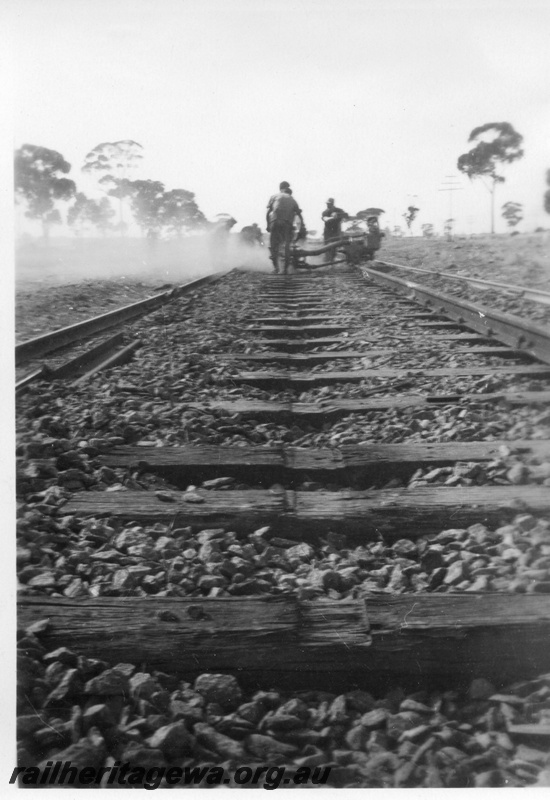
<point x="313" y="483"/>
<point x="527" y="292"/>
<point x="85" y="347"/>
<point x="529" y="302"/>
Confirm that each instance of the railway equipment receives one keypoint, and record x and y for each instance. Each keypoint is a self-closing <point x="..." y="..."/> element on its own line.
<point x="355" y="247"/>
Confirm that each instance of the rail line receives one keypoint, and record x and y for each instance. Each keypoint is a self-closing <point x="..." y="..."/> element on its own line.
<point x="92" y="355"/>
<point x="331" y="510"/>
<point x="513" y="331"/>
<point x="526" y="292"/>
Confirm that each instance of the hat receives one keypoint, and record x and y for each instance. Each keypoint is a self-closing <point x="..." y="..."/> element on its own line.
<point x="330" y="200"/>
<point x="284" y="185"/>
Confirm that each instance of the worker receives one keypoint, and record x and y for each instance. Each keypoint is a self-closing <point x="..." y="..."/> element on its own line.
<point x="223" y="225"/>
<point x="219" y="237"/>
<point x="282" y="209"/>
<point x="258" y="235"/>
<point x="374" y="236"/>
<point x="332" y="216"/>
<point x="247" y="236"/>
<point x="251" y="235"/>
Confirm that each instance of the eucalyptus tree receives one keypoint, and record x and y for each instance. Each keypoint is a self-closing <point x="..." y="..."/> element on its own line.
<point x="427" y="230"/>
<point x="181" y="212"/>
<point x="147" y="204"/>
<point x="116" y="161"/>
<point x="497" y="144"/>
<point x="39" y="182"/>
<point x="410" y="215"/>
<point x="85" y="210"/>
<point x="512" y="213"/>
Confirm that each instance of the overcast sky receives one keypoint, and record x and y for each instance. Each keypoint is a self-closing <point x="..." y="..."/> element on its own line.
<point x="368" y="101"/>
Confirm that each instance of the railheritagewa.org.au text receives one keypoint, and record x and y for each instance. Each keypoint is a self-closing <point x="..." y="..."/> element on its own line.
<point x="64" y="773"/>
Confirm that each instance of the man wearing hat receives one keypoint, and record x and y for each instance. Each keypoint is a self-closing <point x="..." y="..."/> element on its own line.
<point x="332" y="216"/>
<point x="282" y="209"/>
<point x="374" y="236"/>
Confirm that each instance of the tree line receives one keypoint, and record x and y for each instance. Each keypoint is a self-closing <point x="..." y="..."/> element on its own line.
<point x="41" y="184"/>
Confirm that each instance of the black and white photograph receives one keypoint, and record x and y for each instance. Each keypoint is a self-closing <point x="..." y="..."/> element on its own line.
<point x="280" y="466"/>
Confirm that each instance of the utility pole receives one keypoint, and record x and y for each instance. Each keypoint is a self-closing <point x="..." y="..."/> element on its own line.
<point x="450" y="185"/>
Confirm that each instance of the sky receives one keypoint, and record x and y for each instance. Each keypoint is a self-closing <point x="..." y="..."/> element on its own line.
<point x="367" y="101"/>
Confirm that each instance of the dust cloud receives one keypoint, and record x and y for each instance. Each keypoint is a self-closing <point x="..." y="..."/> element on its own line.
<point x="64" y="260"/>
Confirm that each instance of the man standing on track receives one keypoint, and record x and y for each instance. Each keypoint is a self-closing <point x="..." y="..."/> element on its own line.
<point x="332" y="216"/>
<point x="282" y="209"/>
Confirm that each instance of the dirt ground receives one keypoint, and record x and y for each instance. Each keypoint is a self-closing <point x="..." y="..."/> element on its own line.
<point x="40" y="309"/>
<point x="68" y="280"/>
<point x="522" y="259"/>
<point x="50" y="294"/>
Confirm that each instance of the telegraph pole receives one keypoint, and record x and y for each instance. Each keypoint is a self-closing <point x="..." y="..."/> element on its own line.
<point x="450" y="185"/>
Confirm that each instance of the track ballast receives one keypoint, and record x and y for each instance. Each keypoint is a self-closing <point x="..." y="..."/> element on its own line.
<point x="310" y="483"/>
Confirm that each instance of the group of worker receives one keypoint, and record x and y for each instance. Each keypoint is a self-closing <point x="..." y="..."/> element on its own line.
<point x="285" y="224"/>
<point x="282" y="213"/>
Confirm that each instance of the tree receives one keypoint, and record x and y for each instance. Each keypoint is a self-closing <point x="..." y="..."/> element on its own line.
<point x="77" y="214"/>
<point x="410" y="215"/>
<point x="428" y="230"/>
<point x="85" y="210"/>
<point x="180" y="211"/>
<point x="547" y="194"/>
<point x="512" y="213"/>
<point x="503" y="147"/>
<point x="146" y="202"/>
<point x="101" y="215"/>
<point x="39" y="183"/>
<point x="117" y="160"/>
<point x="155" y="209"/>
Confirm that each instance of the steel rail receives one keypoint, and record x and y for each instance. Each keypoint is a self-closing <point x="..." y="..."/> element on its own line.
<point x="24" y="383"/>
<point x="111" y="360"/>
<point x="528" y="293"/>
<point x="85" y="361"/>
<point x="319" y="266"/>
<point x="507" y="328"/>
<point x="74" y="366"/>
<point x="72" y="333"/>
